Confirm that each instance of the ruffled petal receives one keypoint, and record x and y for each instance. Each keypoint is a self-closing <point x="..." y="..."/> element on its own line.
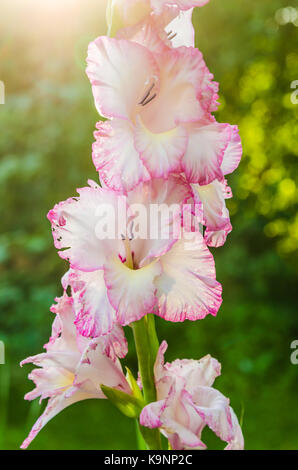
<point x="173" y="418"/>
<point x="213" y="408"/>
<point x="203" y="157"/>
<point x="187" y="288"/>
<point x="119" y="71"/>
<point x="94" y="314"/>
<point x="233" y="153"/>
<point x="151" y="414"/>
<point x="115" y="156"/>
<point x="76" y="227"/>
<point x="63" y="330"/>
<point x="209" y="91"/>
<point x="202" y="372"/>
<point x="96" y="368"/>
<point x="182" y="437"/>
<point x="115" y="343"/>
<point x="186" y="403"/>
<point x="216" y="216"/>
<point x="192" y="372"/>
<point x="181" y="30"/>
<point x="237" y="442"/>
<point x="160" y="152"/>
<point x="131" y="292"/>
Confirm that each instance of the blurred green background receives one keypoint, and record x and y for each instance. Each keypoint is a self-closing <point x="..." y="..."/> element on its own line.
<point x="46" y="132"/>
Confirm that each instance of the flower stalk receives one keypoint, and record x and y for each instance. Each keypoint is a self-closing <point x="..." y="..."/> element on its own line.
<point x="146" y="343"/>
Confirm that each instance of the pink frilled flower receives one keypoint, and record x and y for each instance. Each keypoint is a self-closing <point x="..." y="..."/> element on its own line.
<point x="187" y="402"/>
<point x="73" y="367"/>
<point x="158" y="101"/>
<point x="153" y="25"/>
<point x="210" y="198"/>
<point x="120" y="279"/>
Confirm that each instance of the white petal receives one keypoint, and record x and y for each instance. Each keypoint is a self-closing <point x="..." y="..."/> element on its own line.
<point x="115" y="156"/>
<point x="187" y="288"/>
<point x="233" y="153"/>
<point x="119" y="71"/>
<point x="206" y="146"/>
<point x="183" y="28"/>
<point x="216" y="216"/>
<point x="213" y="408"/>
<point x="160" y="152"/>
<point x="75" y="225"/>
<point x="94" y="314"/>
<point x="181" y="75"/>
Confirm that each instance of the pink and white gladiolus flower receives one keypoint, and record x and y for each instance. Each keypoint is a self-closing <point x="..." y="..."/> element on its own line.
<point x="124" y="14"/>
<point x="121" y="279"/>
<point x="187" y="402"/>
<point x="211" y="197"/>
<point x="159" y="106"/>
<point x="73" y="367"/>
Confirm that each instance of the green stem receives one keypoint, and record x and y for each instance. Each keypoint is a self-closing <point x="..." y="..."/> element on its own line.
<point x="147" y="346"/>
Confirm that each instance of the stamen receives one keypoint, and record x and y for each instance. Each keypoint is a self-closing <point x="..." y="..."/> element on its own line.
<point x="172" y="37"/>
<point x="127" y="239"/>
<point x="131" y="237"/>
<point x="150" y="99"/>
<point x="129" y="259"/>
<point x="147" y="94"/>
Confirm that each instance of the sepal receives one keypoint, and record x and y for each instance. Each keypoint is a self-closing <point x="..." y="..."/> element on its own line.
<point x="129" y="405"/>
<point x="133" y="385"/>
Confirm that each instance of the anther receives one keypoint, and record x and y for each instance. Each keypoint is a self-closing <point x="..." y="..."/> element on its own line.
<point x="170" y="37"/>
<point x="131" y="237"/>
<point x="143" y="101"/>
<point x="149" y="100"/>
